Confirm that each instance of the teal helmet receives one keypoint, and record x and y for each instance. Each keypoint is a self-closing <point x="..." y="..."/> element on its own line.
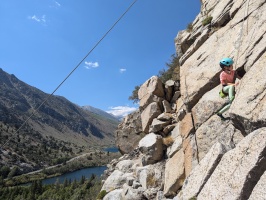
<point x="226" y="62"/>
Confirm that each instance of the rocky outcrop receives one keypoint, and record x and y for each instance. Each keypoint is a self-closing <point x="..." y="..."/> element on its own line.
<point x="151" y="146"/>
<point x="174" y="174"/>
<point x="201" y="173"/>
<point x="239" y="169"/>
<point x="129" y="132"/>
<point x="259" y="190"/>
<point x="202" y="67"/>
<point x="249" y="109"/>
<point x="155" y="114"/>
<point x="200" y="155"/>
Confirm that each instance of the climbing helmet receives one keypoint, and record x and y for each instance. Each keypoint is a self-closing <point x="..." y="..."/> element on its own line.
<point x="226" y="62"/>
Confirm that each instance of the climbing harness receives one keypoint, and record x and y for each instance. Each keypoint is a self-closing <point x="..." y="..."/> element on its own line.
<point x="222" y="94"/>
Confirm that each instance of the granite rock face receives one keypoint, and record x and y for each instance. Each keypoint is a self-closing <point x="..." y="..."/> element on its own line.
<point x="239" y="169"/>
<point x="201" y="155"/>
<point x="201" y="173"/>
<point x="249" y="109"/>
<point x="129" y="132"/>
<point x="259" y="190"/>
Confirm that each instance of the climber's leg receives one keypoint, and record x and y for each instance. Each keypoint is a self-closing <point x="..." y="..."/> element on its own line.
<point x="230" y="89"/>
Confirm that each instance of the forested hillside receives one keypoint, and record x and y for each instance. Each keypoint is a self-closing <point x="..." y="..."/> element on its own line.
<point x="31" y="139"/>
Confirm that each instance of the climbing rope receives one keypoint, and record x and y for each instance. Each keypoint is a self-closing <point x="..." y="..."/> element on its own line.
<point x="82" y="60"/>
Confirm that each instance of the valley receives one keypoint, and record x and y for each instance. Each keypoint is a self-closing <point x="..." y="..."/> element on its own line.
<point x="57" y="138"/>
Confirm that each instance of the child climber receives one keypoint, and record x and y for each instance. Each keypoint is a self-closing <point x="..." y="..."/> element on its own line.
<point x="227" y="79"/>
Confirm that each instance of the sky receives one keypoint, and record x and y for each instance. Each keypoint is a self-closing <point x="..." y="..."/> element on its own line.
<point x="43" y="41"/>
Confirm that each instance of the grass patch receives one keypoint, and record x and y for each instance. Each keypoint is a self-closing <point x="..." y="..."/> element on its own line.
<point x="207" y="20"/>
<point x="101" y="194"/>
<point x="190" y="27"/>
<point x="168" y="141"/>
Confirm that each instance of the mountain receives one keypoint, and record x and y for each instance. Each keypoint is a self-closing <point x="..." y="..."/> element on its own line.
<point x="101" y="113"/>
<point x="176" y="146"/>
<point x="58" y="129"/>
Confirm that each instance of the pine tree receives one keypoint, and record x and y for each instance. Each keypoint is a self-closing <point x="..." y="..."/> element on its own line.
<point x="82" y="180"/>
<point x="65" y="184"/>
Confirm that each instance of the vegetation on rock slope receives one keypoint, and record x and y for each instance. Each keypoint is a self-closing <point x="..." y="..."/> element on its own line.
<point x="57" y="132"/>
<point x="172" y="72"/>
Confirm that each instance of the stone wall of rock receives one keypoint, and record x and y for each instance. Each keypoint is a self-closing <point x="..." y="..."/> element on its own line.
<point x="129" y="132"/>
<point x="180" y="149"/>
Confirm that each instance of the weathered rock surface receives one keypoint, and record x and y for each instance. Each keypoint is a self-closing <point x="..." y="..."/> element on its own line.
<point x="130" y="193"/>
<point x="114" y="181"/>
<point x="209" y="104"/>
<point x="177" y="145"/>
<point x="249" y="108"/>
<point x="152" y="148"/>
<point x="238" y="170"/>
<point x="201" y="173"/>
<point x="216" y="130"/>
<point x="151" y="176"/>
<point x="259" y="191"/>
<point x="186" y="126"/>
<point x="200" y="155"/>
<point x="114" y="195"/>
<point x="190" y="150"/>
<point x="151" y="112"/>
<point x="125" y="166"/>
<point x="202" y="66"/>
<point x="152" y="86"/>
<point x="174" y="174"/>
<point x="158" y="125"/>
<point x="129" y="132"/>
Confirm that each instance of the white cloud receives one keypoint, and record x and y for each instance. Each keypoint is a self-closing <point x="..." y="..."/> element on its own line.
<point x="55" y="4"/>
<point x="58" y="4"/>
<point x="89" y="65"/>
<point x="121" y="111"/>
<point x="35" y="18"/>
<point x="38" y="19"/>
<point x="43" y="18"/>
<point x="122" y="70"/>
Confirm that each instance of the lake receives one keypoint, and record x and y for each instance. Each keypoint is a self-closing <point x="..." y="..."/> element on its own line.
<point x="111" y="149"/>
<point x="87" y="172"/>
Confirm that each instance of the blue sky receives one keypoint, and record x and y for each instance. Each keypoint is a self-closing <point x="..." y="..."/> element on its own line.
<point x="42" y="41"/>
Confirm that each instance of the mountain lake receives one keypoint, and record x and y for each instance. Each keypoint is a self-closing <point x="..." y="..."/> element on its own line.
<point x="111" y="149"/>
<point x="87" y="172"/>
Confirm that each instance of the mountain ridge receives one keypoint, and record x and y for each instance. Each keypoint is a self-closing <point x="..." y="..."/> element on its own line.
<point x="101" y="112"/>
<point x="59" y="126"/>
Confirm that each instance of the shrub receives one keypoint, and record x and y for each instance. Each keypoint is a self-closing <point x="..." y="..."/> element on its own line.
<point x="189" y="27"/>
<point x="4" y="171"/>
<point x="14" y="171"/>
<point x="101" y="194"/>
<point x="134" y="96"/>
<point x="168" y="141"/>
<point x="151" y="180"/>
<point x="172" y="72"/>
<point x="207" y="20"/>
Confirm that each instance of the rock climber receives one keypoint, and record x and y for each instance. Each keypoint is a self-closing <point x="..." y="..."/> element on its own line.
<point x="227" y="79"/>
